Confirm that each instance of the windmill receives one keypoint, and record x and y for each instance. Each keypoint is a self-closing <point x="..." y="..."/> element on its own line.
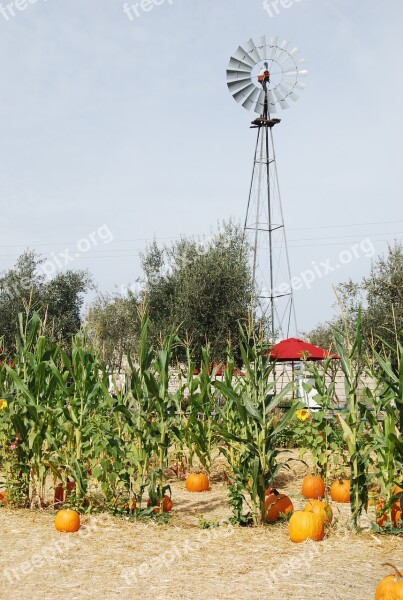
<point x="265" y="77"/>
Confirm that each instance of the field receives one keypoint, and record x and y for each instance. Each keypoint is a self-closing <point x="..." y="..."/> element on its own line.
<point x="118" y="453"/>
<point x="113" y="558"/>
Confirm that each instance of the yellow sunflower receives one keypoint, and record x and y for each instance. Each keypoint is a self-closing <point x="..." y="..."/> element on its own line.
<point x="302" y="414"/>
<point x="3" y="404"/>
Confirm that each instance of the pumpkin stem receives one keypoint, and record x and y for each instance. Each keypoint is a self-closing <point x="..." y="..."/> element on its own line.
<point x="397" y="572"/>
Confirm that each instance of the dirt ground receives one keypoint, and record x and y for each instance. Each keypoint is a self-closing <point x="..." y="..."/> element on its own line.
<point x="113" y="558"/>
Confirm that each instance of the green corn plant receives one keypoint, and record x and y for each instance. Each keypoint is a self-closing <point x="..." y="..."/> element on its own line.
<point x="163" y="407"/>
<point x="386" y="370"/>
<point x="82" y="385"/>
<point x="354" y="424"/>
<point x="202" y="413"/>
<point x="31" y="413"/>
<point x="319" y="434"/>
<point x="137" y="411"/>
<point x="255" y="400"/>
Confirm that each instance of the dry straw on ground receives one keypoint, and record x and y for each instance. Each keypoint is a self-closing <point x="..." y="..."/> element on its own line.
<point x="113" y="558"/>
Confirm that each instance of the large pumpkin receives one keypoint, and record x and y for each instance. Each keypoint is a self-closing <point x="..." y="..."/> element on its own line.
<point x="306" y="525"/>
<point x="67" y="521"/>
<point x="313" y="486"/>
<point x="391" y="586"/>
<point x="340" y="491"/>
<point x="320" y="508"/>
<point x="275" y="505"/>
<point x="197" y="482"/>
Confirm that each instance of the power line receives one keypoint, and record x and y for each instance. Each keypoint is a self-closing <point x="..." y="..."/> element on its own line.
<point x="114" y="241"/>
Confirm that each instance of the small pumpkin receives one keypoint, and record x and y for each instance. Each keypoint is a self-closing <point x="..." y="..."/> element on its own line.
<point x="167" y="504"/>
<point x="313" y="487"/>
<point x="3" y="498"/>
<point x="268" y="491"/>
<point x="67" y="521"/>
<point x="397" y="512"/>
<point x="197" y="482"/>
<point x="320" y="508"/>
<point x="340" y="491"/>
<point x="61" y="493"/>
<point x="275" y="505"/>
<point x="380" y="518"/>
<point x="391" y="586"/>
<point x="305" y="525"/>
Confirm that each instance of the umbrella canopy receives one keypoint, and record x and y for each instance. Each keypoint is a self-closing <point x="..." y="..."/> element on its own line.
<point x="295" y="349"/>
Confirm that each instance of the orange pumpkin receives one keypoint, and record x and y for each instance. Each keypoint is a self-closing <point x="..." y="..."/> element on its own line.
<point x="268" y="491"/>
<point x="313" y="486"/>
<point x="3" y="498"/>
<point x="380" y="518"/>
<point x="61" y="492"/>
<point x="67" y="521"/>
<point x="167" y="504"/>
<point x="275" y="505"/>
<point x="397" y="513"/>
<point x="340" y="491"/>
<point x="306" y="525"/>
<point x="391" y="586"/>
<point x="197" y="482"/>
<point x="320" y="508"/>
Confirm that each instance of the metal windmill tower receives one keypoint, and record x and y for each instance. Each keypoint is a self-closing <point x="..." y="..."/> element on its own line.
<point x="264" y="77"/>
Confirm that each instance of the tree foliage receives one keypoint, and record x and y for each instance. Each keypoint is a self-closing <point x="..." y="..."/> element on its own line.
<point x="380" y="297"/>
<point x="202" y="289"/>
<point x="114" y="324"/>
<point x="25" y="288"/>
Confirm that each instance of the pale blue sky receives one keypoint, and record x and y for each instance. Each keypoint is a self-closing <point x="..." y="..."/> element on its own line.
<point x="126" y="123"/>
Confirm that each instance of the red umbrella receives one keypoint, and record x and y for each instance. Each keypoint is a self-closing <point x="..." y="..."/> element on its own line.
<point x="294" y="349"/>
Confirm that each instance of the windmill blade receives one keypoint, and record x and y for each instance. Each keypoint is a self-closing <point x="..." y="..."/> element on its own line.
<point x="244" y="57"/>
<point x="297" y="73"/>
<point x="284" y="105"/>
<point x="234" y="74"/>
<point x="261" y="42"/>
<point x="285" y="60"/>
<point x="273" y="47"/>
<point x="235" y="63"/>
<point x="260" y="103"/>
<point x="294" y="51"/>
<point x="284" y="45"/>
<point x="251" y="99"/>
<point x="242" y="94"/>
<point x="233" y="86"/>
<point x="287" y="93"/>
<point x="272" y="103"/>
<point x="252" y="50"/>
<point x="279" y="51"/>
<point x="300" y="61"/>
